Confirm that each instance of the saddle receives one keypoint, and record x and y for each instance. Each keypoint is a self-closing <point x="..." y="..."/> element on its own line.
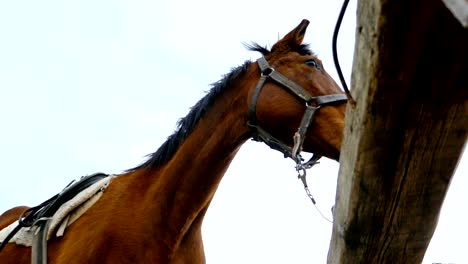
<point x="38" y="216"/>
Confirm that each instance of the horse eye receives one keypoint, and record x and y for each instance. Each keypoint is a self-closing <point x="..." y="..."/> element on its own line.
<point x="312" y="63"/>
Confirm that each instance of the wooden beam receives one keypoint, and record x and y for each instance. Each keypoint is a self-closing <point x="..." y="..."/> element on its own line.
<point x="459" y="9"/>
<point x="403" y="140"/>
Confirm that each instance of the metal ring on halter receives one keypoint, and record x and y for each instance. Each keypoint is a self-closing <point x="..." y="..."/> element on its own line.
<point x="317" y="106"/>
<point x="267" y="72"/>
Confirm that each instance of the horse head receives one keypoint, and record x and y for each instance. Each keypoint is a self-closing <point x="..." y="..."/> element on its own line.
<point x="280" y="106"/>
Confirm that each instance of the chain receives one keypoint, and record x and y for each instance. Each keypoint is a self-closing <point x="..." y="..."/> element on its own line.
<point x="301" y="170"/>
<point x="310" y="195"/>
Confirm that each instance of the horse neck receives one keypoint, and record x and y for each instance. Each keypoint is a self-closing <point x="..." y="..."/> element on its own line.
<point x="197" y="167"/>
<point x="180" y="191"/>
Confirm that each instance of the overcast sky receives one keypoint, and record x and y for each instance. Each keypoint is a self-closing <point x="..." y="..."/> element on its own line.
<point x="88" y="86"/>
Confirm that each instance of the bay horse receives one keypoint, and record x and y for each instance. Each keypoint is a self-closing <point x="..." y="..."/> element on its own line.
<point x="153" y="213"/>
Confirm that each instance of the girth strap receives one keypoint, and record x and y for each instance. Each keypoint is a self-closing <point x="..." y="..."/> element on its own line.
<point x="39" y="242"/>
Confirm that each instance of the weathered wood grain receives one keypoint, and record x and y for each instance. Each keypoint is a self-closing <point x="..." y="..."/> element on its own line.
<point x="403" y="140"/>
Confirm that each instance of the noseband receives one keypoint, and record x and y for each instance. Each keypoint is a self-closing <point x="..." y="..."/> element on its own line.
<point x="313" y="103"/>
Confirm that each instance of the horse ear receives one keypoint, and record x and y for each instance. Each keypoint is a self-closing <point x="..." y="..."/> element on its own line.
<point x="294" y="37"/>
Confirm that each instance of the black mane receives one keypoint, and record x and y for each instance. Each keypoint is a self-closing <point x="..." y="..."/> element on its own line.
<point x="186" y="125"/>
<point x="303" y="49"/>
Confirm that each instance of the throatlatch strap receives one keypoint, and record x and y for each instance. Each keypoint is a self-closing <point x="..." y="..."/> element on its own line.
<point x="262" y="136"/>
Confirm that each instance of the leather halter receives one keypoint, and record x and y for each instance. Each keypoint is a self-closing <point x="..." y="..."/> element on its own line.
<point x="313" y="103"/>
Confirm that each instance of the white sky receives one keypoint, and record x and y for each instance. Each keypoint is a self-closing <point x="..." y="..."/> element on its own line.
<point x="88" y="86"/>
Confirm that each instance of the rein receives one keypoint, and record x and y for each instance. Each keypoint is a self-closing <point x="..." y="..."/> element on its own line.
<point x="312" y="103"/>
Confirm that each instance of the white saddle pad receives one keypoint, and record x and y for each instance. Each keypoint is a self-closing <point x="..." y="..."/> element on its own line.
<point x="65" y="215"/>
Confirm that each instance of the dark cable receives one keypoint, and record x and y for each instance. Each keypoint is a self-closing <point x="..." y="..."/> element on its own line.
<point x="335" y="53"/>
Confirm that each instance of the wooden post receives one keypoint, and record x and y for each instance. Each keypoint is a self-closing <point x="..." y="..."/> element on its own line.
<point x="403" y="140"/>
<point x="459" y="9"/>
